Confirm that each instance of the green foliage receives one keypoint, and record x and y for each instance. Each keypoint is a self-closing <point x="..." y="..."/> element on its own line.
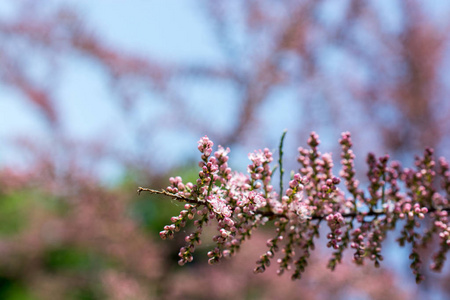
<point x="72" y="259"/>
<point x="13" y="289"/>
<point x="13" y="213"/>
<point x="17" y="209"/>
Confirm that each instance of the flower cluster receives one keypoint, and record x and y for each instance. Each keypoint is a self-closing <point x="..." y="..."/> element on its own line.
<point x="335" y="221"/>
<point x="240" y="203"/>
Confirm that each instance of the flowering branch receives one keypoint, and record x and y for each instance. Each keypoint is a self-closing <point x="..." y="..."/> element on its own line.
<point x="241" y="203"/>
<point x="269" y="214"/>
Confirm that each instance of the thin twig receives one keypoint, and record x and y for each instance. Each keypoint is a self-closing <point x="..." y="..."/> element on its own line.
<point x="166" y="193"/>
<point x="280" y="162"/>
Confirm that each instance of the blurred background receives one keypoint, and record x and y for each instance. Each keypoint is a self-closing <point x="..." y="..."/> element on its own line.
<point x="100" y="97"/>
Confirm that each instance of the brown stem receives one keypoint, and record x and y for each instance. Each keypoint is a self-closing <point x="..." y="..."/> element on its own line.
<point x="271" y="214"/>
<point x="166" y="193"/>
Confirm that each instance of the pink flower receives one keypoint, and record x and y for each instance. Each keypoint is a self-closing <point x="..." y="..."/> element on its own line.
<point x="222" y="153"/>
<point x="259" y="157"/>
<point x="219" y="205"/>
<point x="300" y="208"/>
<point x="205" y="145"/>
<point x="257" y="199"/>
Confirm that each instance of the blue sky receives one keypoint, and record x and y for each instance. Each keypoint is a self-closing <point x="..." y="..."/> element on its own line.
<point x="172" y="32"/>
<point x="169" y="31"/>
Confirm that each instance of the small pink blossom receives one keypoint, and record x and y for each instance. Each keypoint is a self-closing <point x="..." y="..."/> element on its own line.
<point x="205" y="146"/>
<point x="219" y="205"/>
<point x="301" y="209"/>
